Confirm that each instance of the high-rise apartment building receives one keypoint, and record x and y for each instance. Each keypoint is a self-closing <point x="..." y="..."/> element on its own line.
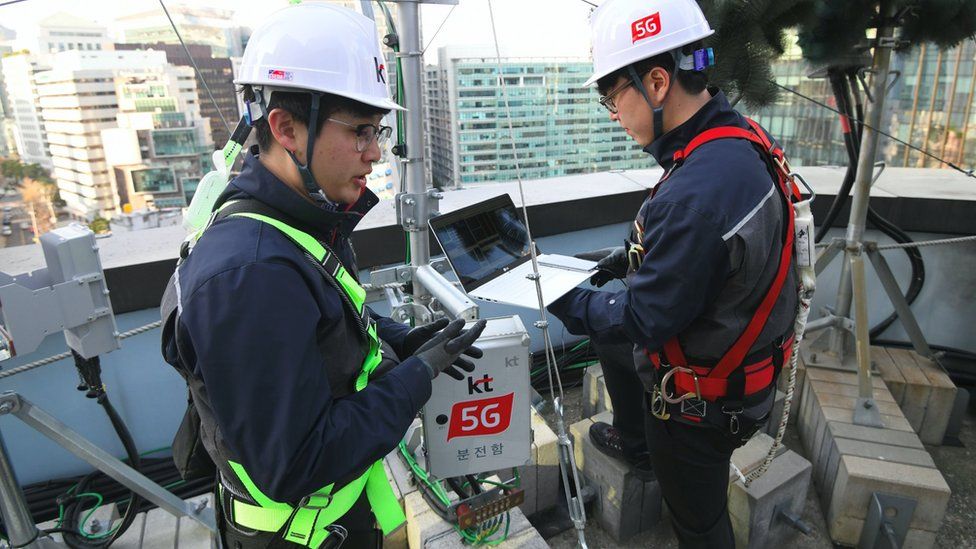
<point x="218" y="73"/>
<point x="81" y="98"/>
<point x="23" y="113"/>
<point x="560" y="128"/>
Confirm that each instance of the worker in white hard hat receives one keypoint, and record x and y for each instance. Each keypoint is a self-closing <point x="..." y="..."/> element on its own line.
<point x="711" y="296"/>
<point x="299" y="390"/>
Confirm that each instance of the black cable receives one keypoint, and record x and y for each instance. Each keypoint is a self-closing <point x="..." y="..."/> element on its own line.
<point x="847" y="95"/>
<point x="837" y="84"/>
<point x="90" y="372"/>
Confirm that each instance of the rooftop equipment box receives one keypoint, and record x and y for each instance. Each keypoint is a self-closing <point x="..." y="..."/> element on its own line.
<point x="481" y="423"/>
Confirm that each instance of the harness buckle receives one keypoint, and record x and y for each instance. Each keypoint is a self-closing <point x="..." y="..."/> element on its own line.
<point x="337" y="536"/>
<point x="671" y="399"/>
<point x="635" y="256"/>
<point x="306" y="502"/>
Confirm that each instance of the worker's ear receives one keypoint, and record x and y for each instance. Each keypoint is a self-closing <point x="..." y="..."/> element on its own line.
<point x="657" y="82"/>
<point x="288" y="132"/>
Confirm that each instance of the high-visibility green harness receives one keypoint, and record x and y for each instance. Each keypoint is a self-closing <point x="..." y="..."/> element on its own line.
<point x="308" y="523"/>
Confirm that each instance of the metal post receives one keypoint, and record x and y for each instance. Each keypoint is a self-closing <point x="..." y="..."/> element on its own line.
<point x="865" y="409"/>
<point x="414" y="204"/>
<point x="865" y="164"/>
<point x="20" y="525"/>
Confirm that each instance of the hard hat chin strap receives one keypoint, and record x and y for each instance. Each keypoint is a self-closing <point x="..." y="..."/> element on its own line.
<point x="657" y="112"/>
<point x="306" y="170"/>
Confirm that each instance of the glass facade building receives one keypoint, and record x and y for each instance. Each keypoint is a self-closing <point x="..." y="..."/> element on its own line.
<point x="559" y="126"/>
<point x="929" y="104"/>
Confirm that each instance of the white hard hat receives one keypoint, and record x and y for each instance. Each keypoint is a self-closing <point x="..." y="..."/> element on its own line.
<point x="627" y="31"/>
<point x="318" y="47"/>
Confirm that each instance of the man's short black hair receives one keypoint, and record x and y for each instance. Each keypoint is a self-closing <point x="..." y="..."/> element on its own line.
<point x="693" y="82"/>
<point x="297" y="104"/>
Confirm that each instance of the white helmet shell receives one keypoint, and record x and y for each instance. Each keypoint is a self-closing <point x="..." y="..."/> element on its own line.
<point x="627" y="31"/>
<point x="318" y="47"/>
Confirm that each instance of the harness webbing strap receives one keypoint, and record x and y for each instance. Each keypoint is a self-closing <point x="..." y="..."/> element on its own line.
<point x="715" y="381"/>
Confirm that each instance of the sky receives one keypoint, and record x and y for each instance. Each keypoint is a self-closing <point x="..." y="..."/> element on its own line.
<point x="528" y="28"/>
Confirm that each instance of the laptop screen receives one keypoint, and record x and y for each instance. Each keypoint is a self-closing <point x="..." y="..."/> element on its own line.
<point x="482" y="240"/>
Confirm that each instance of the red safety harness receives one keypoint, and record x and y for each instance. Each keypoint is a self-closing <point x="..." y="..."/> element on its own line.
<point x="737" y="375"/>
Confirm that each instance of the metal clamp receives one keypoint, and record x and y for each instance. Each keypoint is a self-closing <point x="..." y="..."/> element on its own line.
<point x="671" y="399"/>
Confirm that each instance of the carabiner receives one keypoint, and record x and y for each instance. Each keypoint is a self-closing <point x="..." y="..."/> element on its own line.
<point x="664" y="385"/>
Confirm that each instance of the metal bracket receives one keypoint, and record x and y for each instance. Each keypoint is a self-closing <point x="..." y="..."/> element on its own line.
<point x="413" y="210"/>
<point x="866" y="413"/>
<point x="886" y="525"/>
<point x="52" y="428"/>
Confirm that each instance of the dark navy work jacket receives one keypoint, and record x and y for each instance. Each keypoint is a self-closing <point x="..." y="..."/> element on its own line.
<point x="278" y="352"/>
<point x="713" y="236"/>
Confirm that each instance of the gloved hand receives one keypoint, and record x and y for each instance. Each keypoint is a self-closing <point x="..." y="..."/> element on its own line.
<point x="442" y="353"/>
<point x="611" y="264"/>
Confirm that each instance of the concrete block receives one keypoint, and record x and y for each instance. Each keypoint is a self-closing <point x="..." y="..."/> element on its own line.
<point x="896" y="422"/>
<point x="839" y="376"/>
<point x="591" y="391"/>
<point x="540" y="477"/>
<point x="423" y="524"/>
<point x="751" y="454"/>
<point x="858" y="478"/>
<point x="921" y="387"/>
<point x="851" y="529"/>
<point x="625" y="505"/>
<point x="880" y="393"/>
<point x="917" y="389"/>
<point x="159" y="531"/>
<point x="190" y="534"/>
<point x="850" y="462"/>
<point x="753" y="511"/>
<point x="941" y="401"/>
<point x="884" y="452"/>
<point x="870" y="434"/>
<point x="890" y="372"/>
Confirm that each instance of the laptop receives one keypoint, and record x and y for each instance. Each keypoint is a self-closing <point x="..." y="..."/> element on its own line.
<point x="487" y="245"/>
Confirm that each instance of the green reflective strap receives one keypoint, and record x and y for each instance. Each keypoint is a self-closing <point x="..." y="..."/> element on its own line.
<point x="383" y="501"/>
<point x="303" y="239"/>
<point x="372" y="360"/>
<point x="355" y="292"/>
<point x="253" y="490"/>
<point x="310" y="522"/>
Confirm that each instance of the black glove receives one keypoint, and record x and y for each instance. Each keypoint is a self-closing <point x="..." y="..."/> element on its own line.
<point x="611" y="264"/>
<point x="442" y="353"/>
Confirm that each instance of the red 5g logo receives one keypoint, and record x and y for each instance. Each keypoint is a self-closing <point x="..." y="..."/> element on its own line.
<point x="646" y="27"/>
<point x="487" y="416"/>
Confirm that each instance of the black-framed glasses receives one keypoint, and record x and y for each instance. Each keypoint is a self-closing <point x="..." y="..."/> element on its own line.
<point x="607" y="100"/>
<point x="366" y="133"/>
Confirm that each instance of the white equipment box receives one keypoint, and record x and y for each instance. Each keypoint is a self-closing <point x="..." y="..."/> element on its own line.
<point x="481" y="423"/>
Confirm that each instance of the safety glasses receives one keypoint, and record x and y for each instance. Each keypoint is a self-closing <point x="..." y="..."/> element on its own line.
<point x="366" y="133"/>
